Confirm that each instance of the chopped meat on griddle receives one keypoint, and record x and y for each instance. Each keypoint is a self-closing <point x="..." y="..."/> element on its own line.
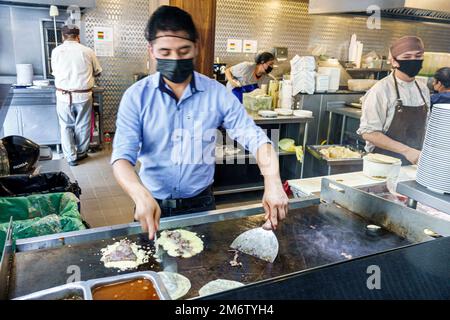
<point x="123" y="252"/>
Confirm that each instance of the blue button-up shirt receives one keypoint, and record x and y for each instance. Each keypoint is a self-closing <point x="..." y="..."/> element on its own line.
<point x="175" y="140"/>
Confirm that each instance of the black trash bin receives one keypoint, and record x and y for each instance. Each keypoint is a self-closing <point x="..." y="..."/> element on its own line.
<point x="24" y="185"/>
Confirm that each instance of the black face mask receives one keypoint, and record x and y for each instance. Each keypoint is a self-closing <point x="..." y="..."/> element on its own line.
<point x="410" y="67"/>
<point x="269" y="69"/>
<point x="176" y="71"/>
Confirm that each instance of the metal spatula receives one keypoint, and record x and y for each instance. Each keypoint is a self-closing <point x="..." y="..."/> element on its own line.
<point x="258" y="242"/>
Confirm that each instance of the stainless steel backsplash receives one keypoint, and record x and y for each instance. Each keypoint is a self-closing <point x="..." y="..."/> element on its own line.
<point x="286" y="23"/>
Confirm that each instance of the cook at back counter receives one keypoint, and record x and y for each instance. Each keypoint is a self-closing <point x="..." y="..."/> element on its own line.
<point x="251" y="73"/>
<point x="168" y="121"/>
<point x="395" y="110"/>
<point x="441" y="86"/>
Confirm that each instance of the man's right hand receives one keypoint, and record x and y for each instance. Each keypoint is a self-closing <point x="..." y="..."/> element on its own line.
<point x="148" y="214"/>
<point x="236" y="84"/>
<point x="412" y="155"/>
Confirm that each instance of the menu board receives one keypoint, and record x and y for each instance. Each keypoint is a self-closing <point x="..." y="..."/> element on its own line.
<point x="104" y="41"/>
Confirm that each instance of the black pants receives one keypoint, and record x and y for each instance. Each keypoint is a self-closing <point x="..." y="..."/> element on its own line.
<point x="202" y="202"/>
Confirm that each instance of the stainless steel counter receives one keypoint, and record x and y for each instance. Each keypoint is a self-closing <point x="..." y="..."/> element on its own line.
<point x="4" y="102"/>
<point x="32" y="109"/>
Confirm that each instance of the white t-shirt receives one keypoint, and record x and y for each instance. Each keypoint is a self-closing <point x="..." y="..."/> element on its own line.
<point x="244" y="72"/>
<point x="378" y="105"/>
<point x="74" y="67"/>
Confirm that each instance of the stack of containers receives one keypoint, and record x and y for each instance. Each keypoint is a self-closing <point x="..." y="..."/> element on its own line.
<point x="303" y="74"/>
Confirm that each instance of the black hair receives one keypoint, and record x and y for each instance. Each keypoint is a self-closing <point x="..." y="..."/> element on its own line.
<point x="264" y="57"/>
<point x="169" y="18"/>
<point x="70" y="31"/>
<point x="443" y="76"/>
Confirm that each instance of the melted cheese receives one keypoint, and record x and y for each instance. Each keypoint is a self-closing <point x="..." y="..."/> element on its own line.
<point x="141" y="257"/>
<point x="193" y="245"/>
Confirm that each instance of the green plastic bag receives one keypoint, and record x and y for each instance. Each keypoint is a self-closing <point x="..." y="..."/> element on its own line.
<point x="39" y="215"/>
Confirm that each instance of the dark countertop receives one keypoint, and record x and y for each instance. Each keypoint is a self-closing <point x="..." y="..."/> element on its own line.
<point x="420" y="271"/>
<point x="337" y="92"/>
<point x="5" y="100"/>
<point x="4" y="91"/>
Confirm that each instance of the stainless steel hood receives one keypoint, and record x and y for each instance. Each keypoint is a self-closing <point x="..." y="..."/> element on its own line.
<point x="83" y="4"/>
<point x="425" y="10"/>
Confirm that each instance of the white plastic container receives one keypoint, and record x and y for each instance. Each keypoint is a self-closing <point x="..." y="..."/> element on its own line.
<point x="24" y="74"/>
<point x="381" y="171"/>
<point x="322" y="82"/>
<point x="334" y="74"/>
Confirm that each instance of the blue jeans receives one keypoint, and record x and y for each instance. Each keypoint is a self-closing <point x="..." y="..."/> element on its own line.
<point x="75" y="124"/>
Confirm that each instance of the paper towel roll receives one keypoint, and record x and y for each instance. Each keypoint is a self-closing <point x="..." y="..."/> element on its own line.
<point x="286" y="94"/>
<point x="24" y="74"/>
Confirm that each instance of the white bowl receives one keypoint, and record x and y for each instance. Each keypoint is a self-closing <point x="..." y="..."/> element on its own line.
<point x="41" y="83"/>
<point x="284" y="112"/>
<point x="267" y="114"/>
<point x="303" y="113"/>
<point x="377" y="170"/>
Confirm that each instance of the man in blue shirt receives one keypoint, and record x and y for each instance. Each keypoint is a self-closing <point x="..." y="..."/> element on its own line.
<point x="441" y="86"/>
<point x="168" y="121"/>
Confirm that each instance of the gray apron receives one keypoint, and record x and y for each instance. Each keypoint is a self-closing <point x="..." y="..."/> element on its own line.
<point x="408" y="126"/>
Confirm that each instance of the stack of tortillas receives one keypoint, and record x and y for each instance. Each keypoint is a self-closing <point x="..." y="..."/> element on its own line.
<point x="381" y="158"/>
<point x="217" y="286"/>
<point x="176" y="284"/>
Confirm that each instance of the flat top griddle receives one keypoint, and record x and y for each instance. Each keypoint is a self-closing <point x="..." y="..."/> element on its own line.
<point x="309" y="237"/>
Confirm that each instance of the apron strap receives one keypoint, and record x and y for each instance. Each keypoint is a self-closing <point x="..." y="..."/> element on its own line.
<point x="396" y="89"/>
<point x="421" y="94"/>
<point x="69" y="92"/>
<point x="398" y="93"/>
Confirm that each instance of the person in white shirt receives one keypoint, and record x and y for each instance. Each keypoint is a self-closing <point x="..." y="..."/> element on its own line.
<point x="395" y="110"/>
<point x="74" y="67"/>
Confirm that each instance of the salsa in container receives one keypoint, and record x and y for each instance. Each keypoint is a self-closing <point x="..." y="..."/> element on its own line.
<point x="138" y="289"/>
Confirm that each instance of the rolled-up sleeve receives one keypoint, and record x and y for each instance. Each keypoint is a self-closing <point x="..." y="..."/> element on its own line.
<point x="240" y="126"/>
<point x="238" y="69"/>
<point x="96" y="64"/>
<point x="128" y="137"/>
<point x="374" y="112"/>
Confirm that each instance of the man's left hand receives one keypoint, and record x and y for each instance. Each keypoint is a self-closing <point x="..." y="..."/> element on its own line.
<point x="275" y="203"/>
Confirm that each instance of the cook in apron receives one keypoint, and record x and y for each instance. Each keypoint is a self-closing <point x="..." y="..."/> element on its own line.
<point x="239" y="91"/>
<point x="408" y="126"/>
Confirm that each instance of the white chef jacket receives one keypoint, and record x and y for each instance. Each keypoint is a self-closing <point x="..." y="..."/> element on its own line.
<point x="74" y="67"/>
<point x="378" y="105"/>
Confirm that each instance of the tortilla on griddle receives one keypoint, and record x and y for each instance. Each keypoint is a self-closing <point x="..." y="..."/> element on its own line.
<point x="176" y="284"/>
<point x="180" y="243"/>
<point x="124" y="255"/>
<point x="217" y="286"/>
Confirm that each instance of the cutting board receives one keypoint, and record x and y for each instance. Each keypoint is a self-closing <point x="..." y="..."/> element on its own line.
<point x="354" y="179"/>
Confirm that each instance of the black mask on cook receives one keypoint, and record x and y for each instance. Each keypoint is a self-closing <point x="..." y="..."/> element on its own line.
<point x="410" y="67"/>
<point x="269" y="69"/>
<point x="176" y="71"/>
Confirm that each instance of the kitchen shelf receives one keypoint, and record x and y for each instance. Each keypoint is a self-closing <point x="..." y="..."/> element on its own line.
<point x="366" y="70"/>
<point x="248" y="156"/>
<point x="250" y="187"/>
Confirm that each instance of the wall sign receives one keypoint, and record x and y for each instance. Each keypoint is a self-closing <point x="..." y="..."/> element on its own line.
<point x="250" y="46"/>
<point x="234" y="45"/>
<point x="104" y="41"/>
